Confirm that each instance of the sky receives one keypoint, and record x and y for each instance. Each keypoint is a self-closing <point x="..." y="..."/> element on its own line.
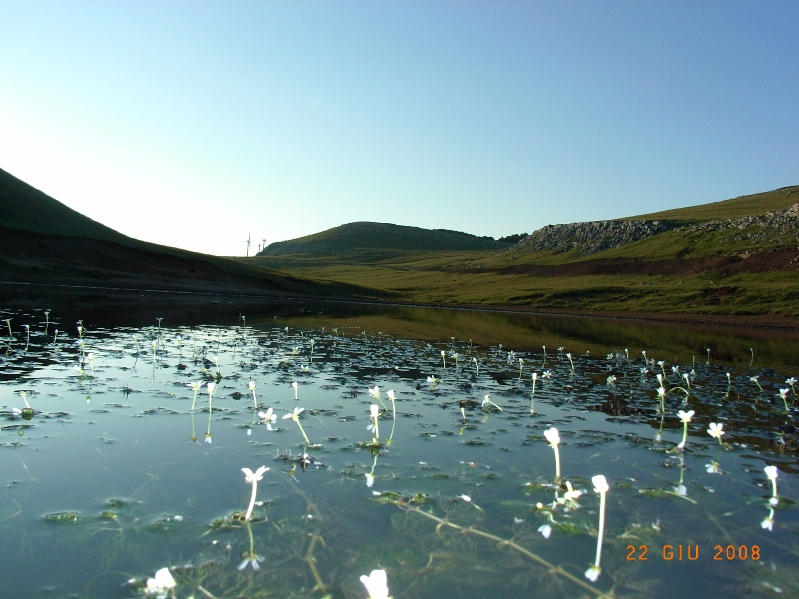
<point x="199" y="124"/>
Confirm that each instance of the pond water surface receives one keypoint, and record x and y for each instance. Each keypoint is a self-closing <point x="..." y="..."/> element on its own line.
<point x="123" y="470"/>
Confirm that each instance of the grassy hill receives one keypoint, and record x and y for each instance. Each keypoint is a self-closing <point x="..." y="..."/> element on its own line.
<point x="751" y="205"/>
<point x="28" y="209"/>
<point x="746" y="266"/>
<point x="352" y="237"/>
<point x="44" y="241"/>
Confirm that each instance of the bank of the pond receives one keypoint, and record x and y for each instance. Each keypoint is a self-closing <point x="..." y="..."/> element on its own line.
<point x="32" y="295"/>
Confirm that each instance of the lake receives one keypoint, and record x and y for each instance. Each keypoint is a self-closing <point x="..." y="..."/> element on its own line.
<point x="455" y="488"/>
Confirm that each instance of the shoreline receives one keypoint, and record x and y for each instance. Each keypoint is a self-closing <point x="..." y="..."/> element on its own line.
<point x="754" y="321"/>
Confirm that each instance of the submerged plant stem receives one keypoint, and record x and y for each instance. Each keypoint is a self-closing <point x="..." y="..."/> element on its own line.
<point x="513" y="545"/>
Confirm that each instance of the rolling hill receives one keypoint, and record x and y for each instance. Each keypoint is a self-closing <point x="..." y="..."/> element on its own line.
<point x="44" y="241"/>
<point x="739" y="256"/>
<point x="352" y="237"/>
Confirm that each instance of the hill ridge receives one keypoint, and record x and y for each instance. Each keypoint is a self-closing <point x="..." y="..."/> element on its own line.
<point x="352" y="238"/>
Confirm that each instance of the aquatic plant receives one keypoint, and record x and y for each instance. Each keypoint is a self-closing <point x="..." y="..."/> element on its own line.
<point x="476" y="367"/>
<point x="792" y="383"/>
<point x="768" y="521"/>
<point x="268" y="417"/>
<point x="251" y="386"/>
<point x="374" y="414"/>
<point x="487" y="402"/>
<point x="714" y="430"/>
<point x="771" y="473"/>
<point x="554" y="440"/>
<point x="570" y="362"/>
<point x="375" y="392"/>
<point x="28" y="410"/>
<point x="784" y="396"/>
<point x="755" y="380"/>
<point x="296" y="387"/>
<point x="685" y="418"/>
<point x="196" y="388"/>
<point x="250" y="557"/>
<point x="295" y="416"/>
<point x="253" y="477"/>
<point x="393" y="398"/>
<point x="444" y="357"/>
<point x="534" y="378"/>
<point x="376" y="584"/>
<point x="600" y="486"/>
<point x="161" y="584"/>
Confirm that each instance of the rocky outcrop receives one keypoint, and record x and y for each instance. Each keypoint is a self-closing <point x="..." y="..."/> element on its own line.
<point x="590" y="237"/>
<point x="779" y="222"/>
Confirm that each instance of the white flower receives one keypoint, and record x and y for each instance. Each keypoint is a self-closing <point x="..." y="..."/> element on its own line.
<point x="600" y="484"/>
<point x="713" y="468"/>
<point x="295" y="415"/>
<point x="254" y="477"/>
<point x="465" y="498"/>
<point x="546" y="374"/>
<point x="391" y="395"/>
<point x="251" y="558"/>
<point x="771" y="472"/>
<point x="162" y="582"/>
<point x="593" y="573"/>
<point x="552" y="436"/>
<point x="375" y="392"/>
<point x="376" y="584"/>
<point x="251" y="385"/>
<point x="685" y="416"/>
<point x="211" y="388"/>
<point x="715" y="430"/>
<point x="768" y="523"/>
<point x="374" y="411"/>
<point x="432" y="380"/>
<point x="370" y="479"/>
<point x="571" y="495"/>
<point x="545" y="530"/>
<point x="269" y="418"/>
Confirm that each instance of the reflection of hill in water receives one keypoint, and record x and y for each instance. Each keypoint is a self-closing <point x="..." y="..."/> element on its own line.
<point x="673" y="342"/>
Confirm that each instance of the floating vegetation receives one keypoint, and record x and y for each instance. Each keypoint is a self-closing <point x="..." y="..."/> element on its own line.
<point x="456" y="496"/>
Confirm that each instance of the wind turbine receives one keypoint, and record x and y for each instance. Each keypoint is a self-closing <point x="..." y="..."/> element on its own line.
<point x="263" y="245"/>
<point x="248" y="245"/>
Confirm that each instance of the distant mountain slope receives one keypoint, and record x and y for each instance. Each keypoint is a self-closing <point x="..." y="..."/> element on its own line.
<point x="350" y="238"/>
<point x="26" y="208"/>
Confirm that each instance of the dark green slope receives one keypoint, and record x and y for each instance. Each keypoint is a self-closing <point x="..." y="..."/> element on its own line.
<point x="381" y="236"/>
<point x="26" y="208"/>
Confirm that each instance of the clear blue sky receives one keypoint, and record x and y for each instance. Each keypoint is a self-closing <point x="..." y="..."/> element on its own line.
<point x="194" y="124"/>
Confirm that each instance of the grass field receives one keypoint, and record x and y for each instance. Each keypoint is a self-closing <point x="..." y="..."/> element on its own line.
<point x="730" y="271"/>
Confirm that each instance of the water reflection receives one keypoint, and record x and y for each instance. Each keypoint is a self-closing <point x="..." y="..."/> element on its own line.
<point x="461" y="498"/>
